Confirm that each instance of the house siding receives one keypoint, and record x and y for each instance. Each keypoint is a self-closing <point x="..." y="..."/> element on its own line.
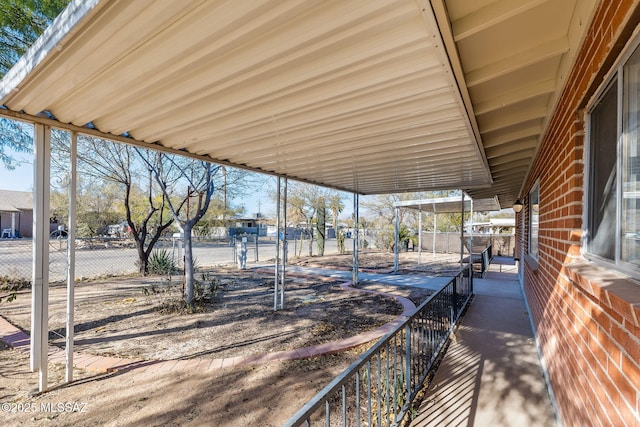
<point x="586" y="317"/>
<point x="23" y="222"/>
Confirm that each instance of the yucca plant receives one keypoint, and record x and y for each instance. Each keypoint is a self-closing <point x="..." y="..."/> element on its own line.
<point x="161" y="262"/>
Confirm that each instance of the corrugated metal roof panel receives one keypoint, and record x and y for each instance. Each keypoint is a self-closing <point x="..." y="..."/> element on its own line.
<point x="369" y="96"/>
<point x="357" y="95"/>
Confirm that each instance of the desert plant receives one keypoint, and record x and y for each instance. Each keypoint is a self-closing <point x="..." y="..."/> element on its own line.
<point x="206" y="288"/>
<point x="161" y="262"/>
<point x="11" y="285"/>
<point x="168" y="297"/>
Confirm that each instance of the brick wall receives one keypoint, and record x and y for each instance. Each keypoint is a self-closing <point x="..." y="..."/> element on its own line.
<point x="587" y="318"/>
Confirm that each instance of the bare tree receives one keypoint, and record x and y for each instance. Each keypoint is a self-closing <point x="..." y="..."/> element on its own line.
<point x="309" y="204"/>
<point x="105" y="162"/>
<point x="184" y="182"/>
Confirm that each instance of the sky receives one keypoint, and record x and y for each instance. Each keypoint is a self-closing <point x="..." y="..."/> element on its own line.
<point x="21" y="178"/>
<point x="258" y="200"/>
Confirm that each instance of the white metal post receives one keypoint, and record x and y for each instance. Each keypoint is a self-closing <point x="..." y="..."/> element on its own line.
<point x="396" y="249"/>
<point x="284" y="246"/>
<point x="40" y="277"/>
<point x="471" y="228"/>
<point x="71" y="257"/>
<point x="462" y="233"/>
<point x="435" y="227"/>
<point x="356" y="231"/>
<point x="276" y="280"/>
<point x="420" y="235"/>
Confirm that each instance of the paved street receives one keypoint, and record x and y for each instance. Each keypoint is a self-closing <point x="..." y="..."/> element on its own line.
<point x="16" y="257"/>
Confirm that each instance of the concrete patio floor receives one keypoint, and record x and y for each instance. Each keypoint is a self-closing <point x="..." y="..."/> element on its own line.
<point x="491" y="374"/>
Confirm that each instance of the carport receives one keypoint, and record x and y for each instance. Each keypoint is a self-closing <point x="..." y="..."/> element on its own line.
<point x="368" y="97"/>
<point x="437" y="206"/>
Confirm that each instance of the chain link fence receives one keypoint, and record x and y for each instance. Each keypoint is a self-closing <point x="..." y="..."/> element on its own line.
<point x="106" y="256"/>
<point x="97" y="257"/>
<point x="503" y="244"/>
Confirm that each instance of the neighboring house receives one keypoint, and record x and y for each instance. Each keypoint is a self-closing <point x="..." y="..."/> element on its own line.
<point x="16" y="213"/>
<point x="233" y="226"/>
<point x="255" y="224"/>
<point x="494" y="226"/>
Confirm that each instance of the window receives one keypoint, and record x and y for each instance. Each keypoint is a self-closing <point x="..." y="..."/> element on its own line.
<point x="613" y="192"/>
<point x="534" y="220"/>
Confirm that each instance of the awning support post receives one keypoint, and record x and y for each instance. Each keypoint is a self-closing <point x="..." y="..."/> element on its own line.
<point x="396" y="244"/>
<point x="470" y="229"/>
<point x="435" y="227"/>
<point x="420" y="235"/>
<point x="284" y="245"/>
<point x="462" y="232"/>
<point x="71" y="257"/>
<point x="276" y="280"/>
<point x="356" y="232"/>
<point x="40" y="272"/>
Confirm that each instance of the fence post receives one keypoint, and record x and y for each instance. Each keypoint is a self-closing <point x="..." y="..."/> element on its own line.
<point x="256" y="257"/>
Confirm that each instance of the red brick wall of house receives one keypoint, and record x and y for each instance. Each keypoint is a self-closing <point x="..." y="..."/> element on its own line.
<point x="587" y="319"/>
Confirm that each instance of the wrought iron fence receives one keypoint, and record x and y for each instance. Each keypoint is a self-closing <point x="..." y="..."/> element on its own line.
<point x="378" y="388"/>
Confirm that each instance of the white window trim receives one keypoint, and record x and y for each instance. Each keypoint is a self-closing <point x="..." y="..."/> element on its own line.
<point x="617" y="70"/>
<point x="535" y="255"/>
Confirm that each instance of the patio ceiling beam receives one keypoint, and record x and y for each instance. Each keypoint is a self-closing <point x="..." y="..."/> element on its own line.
<point x="524" y="93"/>
<point x="512" y="169"/>
<point x="515" y="117"/>
<point x="491" y="15"/>
<point x="542" y="52"/>
<point x="511" y="147"/>
<point x="506" y="136"/>
<point x="511" y="157"/>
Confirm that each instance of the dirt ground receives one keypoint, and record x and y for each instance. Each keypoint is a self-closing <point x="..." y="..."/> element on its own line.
<point x="138" y="318"/>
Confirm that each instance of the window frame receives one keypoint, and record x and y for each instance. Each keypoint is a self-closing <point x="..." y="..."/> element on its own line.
<point x="534" y="249"/>
<point x="617" y="72"/>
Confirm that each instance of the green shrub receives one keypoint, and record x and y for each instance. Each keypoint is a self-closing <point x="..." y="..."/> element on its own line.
<point x="161" y="262"/>
<point x="206" y="289"/>
<point x="11" y="286"/>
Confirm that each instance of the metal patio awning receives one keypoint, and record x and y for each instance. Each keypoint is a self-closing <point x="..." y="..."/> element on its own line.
<point x="450" y="204"/>
<point x="368" y="96"/>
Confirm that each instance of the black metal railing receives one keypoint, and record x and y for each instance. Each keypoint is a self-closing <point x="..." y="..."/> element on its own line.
<point x="378" y="388"/>
<point x="485" y="259"/>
